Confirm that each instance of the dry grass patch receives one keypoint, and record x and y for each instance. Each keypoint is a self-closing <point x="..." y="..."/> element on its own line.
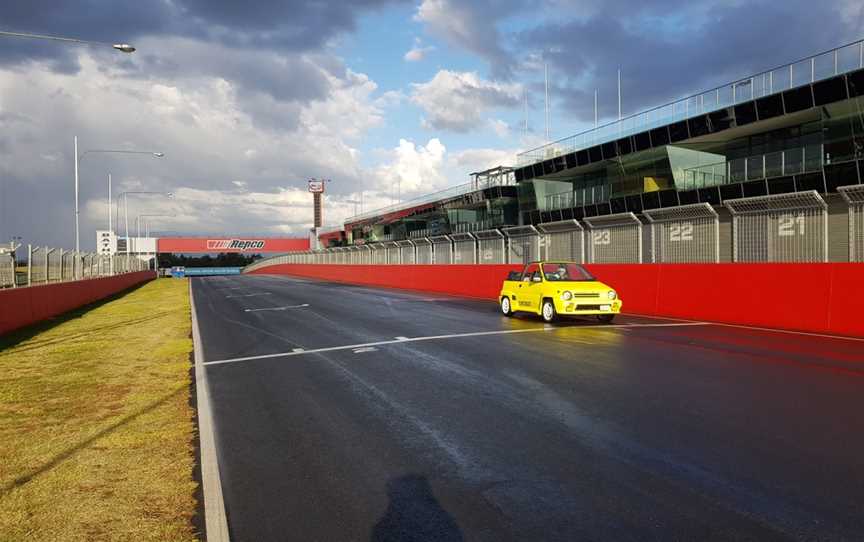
<point x="96" y="429"/>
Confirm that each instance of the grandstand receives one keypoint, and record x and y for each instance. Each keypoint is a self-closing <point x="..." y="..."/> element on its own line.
<point x="765" y="169"/>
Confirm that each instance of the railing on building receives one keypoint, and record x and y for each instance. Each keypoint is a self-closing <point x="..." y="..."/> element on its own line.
<point x="684" y="234"/>
<point x="807" y="159"/>
<point x="854" y="196"/>
<point x="780" y="228"/>
<point x="578" y="197"/>
<point x="809" y="70"/>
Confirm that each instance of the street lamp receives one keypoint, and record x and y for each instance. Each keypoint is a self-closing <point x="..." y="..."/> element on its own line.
<point x="122" y="47"/>
<point x="78" y="158"/>
<point x="125" y="196"/>
<point x="144" y="218"/>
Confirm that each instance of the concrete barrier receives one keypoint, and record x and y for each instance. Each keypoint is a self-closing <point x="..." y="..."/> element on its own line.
<point x="20" y="307"/>
<point x="818" y="298"/>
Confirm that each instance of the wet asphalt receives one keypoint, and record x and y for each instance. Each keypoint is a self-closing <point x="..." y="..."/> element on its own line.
<point x="387" y="427"/>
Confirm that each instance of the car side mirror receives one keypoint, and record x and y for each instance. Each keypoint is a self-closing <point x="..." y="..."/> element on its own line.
<point x="536" y="279"/>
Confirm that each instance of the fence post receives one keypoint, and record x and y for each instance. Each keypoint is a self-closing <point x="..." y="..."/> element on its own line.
<point x="29" y="264"/>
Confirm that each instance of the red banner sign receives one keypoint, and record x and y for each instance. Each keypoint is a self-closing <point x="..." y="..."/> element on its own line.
<point x="252" y="245"/>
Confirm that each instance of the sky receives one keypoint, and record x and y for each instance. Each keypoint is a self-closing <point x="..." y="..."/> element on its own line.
<point x="388" y="99"/>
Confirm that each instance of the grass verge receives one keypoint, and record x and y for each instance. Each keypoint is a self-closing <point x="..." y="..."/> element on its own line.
<point x="96" y="426"/>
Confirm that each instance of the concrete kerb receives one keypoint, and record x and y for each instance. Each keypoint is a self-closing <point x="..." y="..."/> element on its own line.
<point x="215" y="519"/>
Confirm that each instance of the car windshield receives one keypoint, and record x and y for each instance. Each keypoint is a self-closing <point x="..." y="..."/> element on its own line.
<point x="557" y="272"/>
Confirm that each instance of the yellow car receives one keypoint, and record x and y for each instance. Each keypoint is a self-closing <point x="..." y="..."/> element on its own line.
<point x="553" y="289"/>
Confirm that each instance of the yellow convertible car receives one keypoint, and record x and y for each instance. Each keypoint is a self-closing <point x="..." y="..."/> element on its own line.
<point x="553" y="289"/>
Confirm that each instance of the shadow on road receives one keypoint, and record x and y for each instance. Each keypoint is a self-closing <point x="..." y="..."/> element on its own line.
<point x="414" y="514"/>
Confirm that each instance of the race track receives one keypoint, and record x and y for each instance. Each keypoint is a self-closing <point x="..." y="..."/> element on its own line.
<point x="351" y="413"/>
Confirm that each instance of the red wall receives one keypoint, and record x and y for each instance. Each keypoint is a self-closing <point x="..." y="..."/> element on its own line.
<point x="819" y="298"/>
<point x="205" y="244"/>
<point x="21" y="307"/>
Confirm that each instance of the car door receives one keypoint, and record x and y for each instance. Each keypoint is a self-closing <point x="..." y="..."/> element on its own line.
<point x="531" y="288"/>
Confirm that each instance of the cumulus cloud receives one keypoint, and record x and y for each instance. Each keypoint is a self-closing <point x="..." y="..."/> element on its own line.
<point x="418" y="52"/>
<point x="456" y="101"/>
<point x="412" y="169"/>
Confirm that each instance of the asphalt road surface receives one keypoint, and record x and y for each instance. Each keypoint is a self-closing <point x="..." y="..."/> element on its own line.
<point x="351" y="413"/>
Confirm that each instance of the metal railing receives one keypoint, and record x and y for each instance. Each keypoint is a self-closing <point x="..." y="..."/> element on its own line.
<point x="807" y="159"/>
<point x="775" y="228"/>
<point x="452" y="192"/>
<point x="29" y="265"/>
<point x="808" y="70"/>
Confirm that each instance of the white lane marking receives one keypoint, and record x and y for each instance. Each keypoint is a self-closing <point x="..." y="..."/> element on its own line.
<point x="365" y="349"/>
<point x="215" y="519"/>
<point x="430" y="338"/>
<point x="278" y="308"/>
<point x="298" y="350"/>
<point x="790" y="332"/>
<point x="401" y="338"/>
<point x="248" y="295"/>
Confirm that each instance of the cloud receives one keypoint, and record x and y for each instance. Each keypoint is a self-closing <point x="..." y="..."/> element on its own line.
<point x="456" y="101"/>
<point x="412" y="169"/>
<point x="231" y="170"/>
<point x="418" y="52"/>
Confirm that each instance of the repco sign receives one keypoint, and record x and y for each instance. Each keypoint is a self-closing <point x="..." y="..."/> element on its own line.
<point x="235" y="244"/>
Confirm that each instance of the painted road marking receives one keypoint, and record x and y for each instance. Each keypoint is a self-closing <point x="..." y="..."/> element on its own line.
<point x="278" y="308"/>
<point x="401" y="338"/>
<point x="365" y="349"/>
<point x="435" y="338"/>
<point x="298" y="350"/>
<point x="248" y="295"/>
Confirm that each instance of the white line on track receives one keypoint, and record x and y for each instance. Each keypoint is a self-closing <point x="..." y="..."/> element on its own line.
<point x="401" y="340"/>
<point x="278" y="308"/>
<point x="248" y="295"/>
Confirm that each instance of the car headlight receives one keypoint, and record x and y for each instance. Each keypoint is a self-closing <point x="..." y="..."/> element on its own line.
<point x="611" y="294"/>
<point x="567" y="296"/>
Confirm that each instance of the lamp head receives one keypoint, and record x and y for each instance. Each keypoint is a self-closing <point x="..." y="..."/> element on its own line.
<point x="124" y="47"/>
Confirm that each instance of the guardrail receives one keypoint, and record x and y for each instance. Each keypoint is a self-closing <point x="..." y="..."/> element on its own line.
<point x="774" y="228"/>
<point x="818" y="67"/>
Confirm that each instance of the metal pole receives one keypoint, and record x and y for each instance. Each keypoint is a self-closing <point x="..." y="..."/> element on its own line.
<point x="77" y="238"/>
<point x="126" y="219"/>
<point x="595" y="108"/>
<point x="29" y="264"/>
<point x="619" y="93"/>
<point x="546" y="79"/>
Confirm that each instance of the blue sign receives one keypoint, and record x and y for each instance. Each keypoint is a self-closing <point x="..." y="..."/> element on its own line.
<point x="180" y="272"/>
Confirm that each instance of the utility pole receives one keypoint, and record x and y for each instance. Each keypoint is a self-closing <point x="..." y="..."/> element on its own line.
<point x="546" y="79"/>
<point x="619" y="93"/>
<point x="595" y="108"/>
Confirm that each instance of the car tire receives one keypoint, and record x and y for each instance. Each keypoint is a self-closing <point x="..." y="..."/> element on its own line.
<point x="547" y="311"/>
<point x="506" y="309"/>
<point x="605" y="318"/>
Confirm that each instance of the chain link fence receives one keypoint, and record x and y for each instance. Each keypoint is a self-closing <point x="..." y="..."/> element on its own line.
<point x="780" y="228"/>
<point x="464" y="248"/>
<point x="854" y="196"/>
<point x="423" y="251"/>
<point x="523" y="244"/>
<point x="491" y="247"/>
<point x="406" y="252"/>
<point x="443" y="248"/>
<point x="22" y="266"/>
<point x="685" y="234"/>
<point x="563" y="240"/>
<point x="614" y="238"/>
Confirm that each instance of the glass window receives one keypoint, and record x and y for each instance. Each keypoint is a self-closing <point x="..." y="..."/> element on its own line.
<point x="559" y="272"/>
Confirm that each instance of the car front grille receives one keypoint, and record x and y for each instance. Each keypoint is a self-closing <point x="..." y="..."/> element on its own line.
<point x="587" y="307"/>
<point x="586" y="295"/>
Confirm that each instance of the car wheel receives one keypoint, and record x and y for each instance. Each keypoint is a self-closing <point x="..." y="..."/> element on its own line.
<point x="605" y="318"/>
<point x="548" y="311"/>
<point x="505" y="306"/>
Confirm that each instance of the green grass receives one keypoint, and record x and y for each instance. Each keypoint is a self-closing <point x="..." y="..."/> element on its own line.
<point x="96" y="428"/>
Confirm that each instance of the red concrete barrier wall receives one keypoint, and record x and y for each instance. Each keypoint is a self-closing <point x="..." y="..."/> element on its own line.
<point x="818" y="298"/>
<point x="20" y="307"/>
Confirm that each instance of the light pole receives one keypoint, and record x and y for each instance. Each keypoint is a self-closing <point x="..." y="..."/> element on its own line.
<point x="122" y="47"/>
<point x="146" y="221"/>
<point x="78" y="158"/>
<point x="125" y="196"/>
